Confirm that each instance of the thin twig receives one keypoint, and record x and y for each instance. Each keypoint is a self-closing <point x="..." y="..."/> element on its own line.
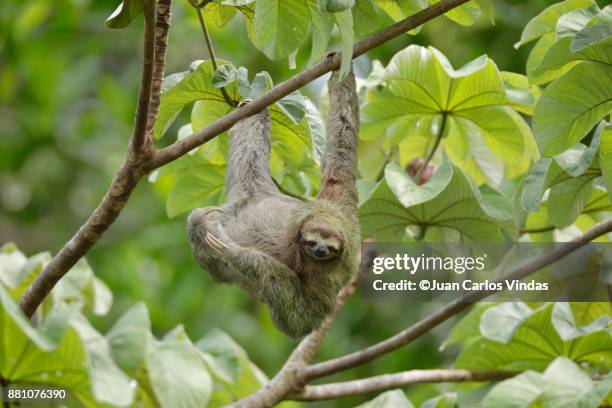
<point x="451" y="309"/>
<point x="387" y="381"/>
<point x="209" y="45"/>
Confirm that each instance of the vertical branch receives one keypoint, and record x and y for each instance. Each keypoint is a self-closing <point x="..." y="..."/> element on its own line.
<point x="162" y="29"/>
<point x="140" y="139"/>
<point x="140" y="149"/>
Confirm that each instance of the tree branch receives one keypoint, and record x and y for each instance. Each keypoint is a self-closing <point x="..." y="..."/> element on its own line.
<point x="141" y="140"/>
<point x="396" y="380"/>
<point x="294" y="83"/>
<point x="408" y="335"/>
<point x="162" y="29"/>
<point x="129" y="174"/>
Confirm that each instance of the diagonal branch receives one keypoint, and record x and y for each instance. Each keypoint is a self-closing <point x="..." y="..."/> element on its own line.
<point x="396" y="380"/>
<point x="294" y="83"/>
<point x="131" y="171"/>
<point x="425" y="325"/>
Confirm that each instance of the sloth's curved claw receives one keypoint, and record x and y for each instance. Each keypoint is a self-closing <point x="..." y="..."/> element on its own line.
<point x="216" y="243"/>
<point x="211" y="209"/>
<point x="244" y="102"/>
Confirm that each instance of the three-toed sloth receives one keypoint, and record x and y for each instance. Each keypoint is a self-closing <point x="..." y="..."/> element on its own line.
<point x="294" y="255"/>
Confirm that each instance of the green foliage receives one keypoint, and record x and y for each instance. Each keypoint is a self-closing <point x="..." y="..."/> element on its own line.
<point x="200" y="176"/>
<point x="562" y="384"/>
<point x="530" y="339"/>
<point x="123" y="15"/>
<point x="574" y="50"/>
<point x="127" y="366"/>
<point x="447" y="208"/>
<point x="420" y="92"/>
<point x="489" y="184"/>
<point x="394" y="398"/>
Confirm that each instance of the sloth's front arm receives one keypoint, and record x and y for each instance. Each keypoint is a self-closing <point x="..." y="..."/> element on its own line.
<point x="269" y="280"/>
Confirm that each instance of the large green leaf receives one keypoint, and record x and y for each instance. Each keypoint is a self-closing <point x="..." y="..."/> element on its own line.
<point x="365" y="18"/>
<point x="521" y="391"/>
<point x="562" y="385"/>
<point x="577" y="162"/>
<point x="535" y="342"/>
<point x="482" y="134"/>
<point x="79" y="286"/>
<point x="464" y="14"/>
<point x="219" y="14"/>
<point x="522" y="95"/>
<point x="571" y="106"/>
<point x="65" y="351"/>
<point x="194" y="86"/>
<point x="546" y="21"/>
<point x="322" y="24"/>
<point x="280" y="26"/>
<point x="235" y="375"/>
<point x="201" y="185"/>
<point x="177" y="374"/>
<point x="598" y="29"/>
<point x="389" y="399"/>
<point x="447" y="207"/>
<point x="400" y="9"/>
<point x="128" y="338"/>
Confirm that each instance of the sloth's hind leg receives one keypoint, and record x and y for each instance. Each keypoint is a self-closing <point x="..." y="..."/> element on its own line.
<point x="201" y="224"/>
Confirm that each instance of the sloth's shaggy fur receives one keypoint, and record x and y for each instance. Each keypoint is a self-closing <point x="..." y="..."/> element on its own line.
<point x="293" y="255"/>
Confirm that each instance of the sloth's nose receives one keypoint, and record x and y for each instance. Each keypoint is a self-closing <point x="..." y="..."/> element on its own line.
<point x="320" y="252"/>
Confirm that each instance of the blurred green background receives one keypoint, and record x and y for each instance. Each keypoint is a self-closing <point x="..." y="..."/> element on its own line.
<point x="68" y="88"/>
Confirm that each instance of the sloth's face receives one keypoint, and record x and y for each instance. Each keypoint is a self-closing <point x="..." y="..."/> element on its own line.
<point x="320" y="243"/>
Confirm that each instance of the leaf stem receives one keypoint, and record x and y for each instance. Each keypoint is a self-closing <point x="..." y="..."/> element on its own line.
<point x="432" y="152"/>
<point x="209" y="44"/>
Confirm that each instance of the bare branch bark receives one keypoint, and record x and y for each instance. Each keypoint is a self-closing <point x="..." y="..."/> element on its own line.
<point x="141" y="140"/>
<point x="129" y="174"/>
<point x="162" y="29"/>
<point x="396" y="380"/>
<point x="406" y="336"/>
<point x="294" y="83"/>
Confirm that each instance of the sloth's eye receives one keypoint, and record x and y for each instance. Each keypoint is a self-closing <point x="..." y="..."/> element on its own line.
<point x="332" y="249"/>
<point x="311" y="243"/>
